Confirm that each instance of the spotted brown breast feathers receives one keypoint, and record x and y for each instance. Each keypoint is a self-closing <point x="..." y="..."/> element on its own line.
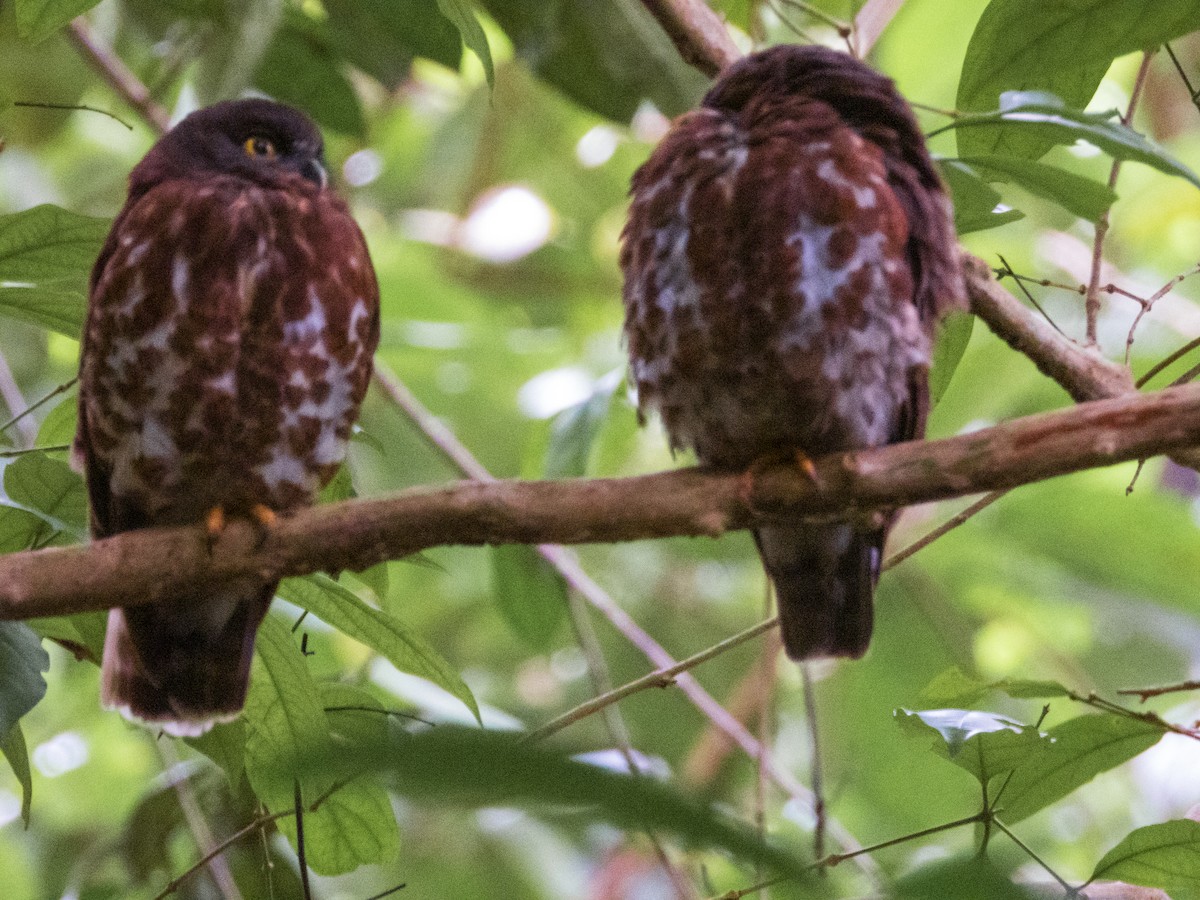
<point x="228" y="347"/>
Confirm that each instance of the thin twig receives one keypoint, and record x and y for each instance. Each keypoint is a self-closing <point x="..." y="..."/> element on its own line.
<point x="28" y="410"/>
<point x="1071" y="892"/>
<point x="658" y="678"/>
<point x="1164" y="363"/>
<point x="388" y="892"/>
<point x="1092" y="299"/>
<point x="1008" y="270"/>
<point x="10" y="391"/>
<point x="48" y="448"/>
<point x="301" y="855"/>
<point x="118" y="76"/>
<point x="1193" y="93"/>
<point x="1148" y="304"/>
<point x="75" y="107"/>
<point x="818" y="777"/>
<point x="949" y="525"/>
<point x="1146" y="693"/>
<point x="260" y="822"/>
<point x="218" y="867"/>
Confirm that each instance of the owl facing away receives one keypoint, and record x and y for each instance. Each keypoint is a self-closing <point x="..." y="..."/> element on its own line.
<point x="232" y="319"/>
<point x="788" y="252"/>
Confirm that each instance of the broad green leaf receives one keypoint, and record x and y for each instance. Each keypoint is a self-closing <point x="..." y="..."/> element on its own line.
<point x="225" y="745"/>
<point x="477" y="768"/>
<point x="531" y="595"/>
<point x="1046" y="118"/>
<point x="17" y="753"/>
<point x="461" y="14"/>
<point x="20" y="529"/>
<point x="38" y="19"/>
<point x="353" y="823"/>
<point x="975" y="201"/>
<point x="383" y="633"/>
<point x="1084" y="197"/>
<point x="340" y="487"/>
<point x="151" y="825"/>
<point x="1058" y="47"/>
<point x="607" y="57"/>
<point x="380" y="37"/>
<point x="1165" y="856"/>
<point x="22" y="662"/>
<point x="58" y="310"/>
<point x="50" y="244"/>
<point x="972" y="878"/>
<point x="1080" y="749"/>
<point x="984" y="744"/>
<point x="953" y="337"/>
<point x="46" y="254"/>
<point x="301" y="68"/>
<point x="574" y="430"/>
<point x="49" y="487"/>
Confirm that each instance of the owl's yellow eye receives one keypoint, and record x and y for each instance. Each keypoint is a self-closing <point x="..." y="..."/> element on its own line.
<point x="259" y="146"/>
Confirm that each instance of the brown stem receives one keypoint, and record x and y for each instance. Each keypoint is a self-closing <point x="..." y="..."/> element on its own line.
<point x="699" y="34"/>
<point x="118" y="76"/>
<point x="157" y="564"/>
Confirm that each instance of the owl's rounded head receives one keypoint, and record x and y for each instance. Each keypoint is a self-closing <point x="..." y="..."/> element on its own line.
<point x="260" y="140"/>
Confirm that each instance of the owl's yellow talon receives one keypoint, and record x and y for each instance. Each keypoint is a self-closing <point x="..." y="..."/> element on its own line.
<point x="264" y="516"/>
<point x="214" y="524"/>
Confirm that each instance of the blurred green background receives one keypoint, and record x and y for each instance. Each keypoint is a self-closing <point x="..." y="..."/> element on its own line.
<point x="493" y="215"/>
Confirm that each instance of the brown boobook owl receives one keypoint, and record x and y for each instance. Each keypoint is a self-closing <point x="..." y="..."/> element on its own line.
<point x="789" y="249"/>
<point x="232" y="320"/>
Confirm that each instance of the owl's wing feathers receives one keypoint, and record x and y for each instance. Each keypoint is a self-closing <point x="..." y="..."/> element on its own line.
<point x="227" y="349"/>
<point x="788" y="251"/>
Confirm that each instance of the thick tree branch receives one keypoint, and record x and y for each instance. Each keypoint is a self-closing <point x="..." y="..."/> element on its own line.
<point x="155" y="564"/>
<point x="698" y="33"/>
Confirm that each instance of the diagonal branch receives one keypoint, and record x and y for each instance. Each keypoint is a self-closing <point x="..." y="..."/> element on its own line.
<point x="155" y="564"/>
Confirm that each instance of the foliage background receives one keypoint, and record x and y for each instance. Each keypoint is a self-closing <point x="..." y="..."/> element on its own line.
<point x="1070" y="581"/>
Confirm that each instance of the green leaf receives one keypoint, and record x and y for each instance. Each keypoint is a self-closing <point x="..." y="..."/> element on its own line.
<point x="1084" y="197"/>
<point x="1047" y="118"/>
<point x="574" y="430"/>
<point x="983" y="744"/>
<point x="383" y="633"/>
<point x="59" y="425"/>
<point x="225" y="745"/>
<point x="380" y="37"/>
<point x="953" y="337"/>
<point x="975" y="201"/>
<point x="20" y="529"/>
<point x="38" y="19"/>
<point x="953" y="688"/>
<point x="461" y="14"/>
<point x="530" y="593"/>
<point x="50" y="487"/>
<point x="17" y="753"/>
<point x="477" y="768"/>
<point x="22" y="662"/>
<point x="607" y="57"/>
<point x="1057" y="47"/>
<point x="970" y="878"/>
<point x="243" y="32"/>
<point x="353" y="823"/>
<point x="1162" y="856"/>
<point x="301" y="68"/>
<point x="48" y="243"/>
<point x="1080" y="749"/>
<point x="46" y="254"/>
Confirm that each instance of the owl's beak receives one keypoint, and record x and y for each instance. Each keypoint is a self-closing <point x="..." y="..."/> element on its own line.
<point x="314" y="172"/>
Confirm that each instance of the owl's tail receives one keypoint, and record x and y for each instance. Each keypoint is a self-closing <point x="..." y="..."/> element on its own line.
<point x="183" y="666"/>
<point x="824" y="578"/>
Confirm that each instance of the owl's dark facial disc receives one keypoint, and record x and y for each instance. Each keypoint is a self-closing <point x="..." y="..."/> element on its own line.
<point x="263" y="141"/>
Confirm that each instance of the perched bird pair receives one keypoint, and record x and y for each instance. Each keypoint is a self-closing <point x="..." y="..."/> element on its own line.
<point x="789" y="248"/>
